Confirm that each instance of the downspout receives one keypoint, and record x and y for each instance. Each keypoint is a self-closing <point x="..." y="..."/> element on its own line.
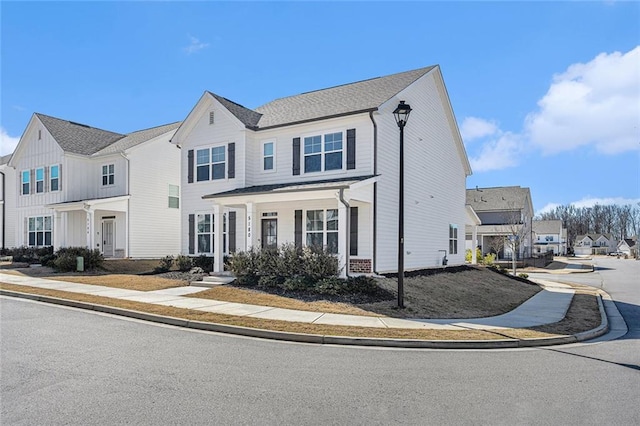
<point x="127" y="253"/>
<point x="375" y="194"/>
<point x="4" y="211"/>
<point x="348" y="230"/>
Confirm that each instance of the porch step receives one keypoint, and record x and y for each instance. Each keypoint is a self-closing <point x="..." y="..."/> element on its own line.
<point x="214" y="280"/>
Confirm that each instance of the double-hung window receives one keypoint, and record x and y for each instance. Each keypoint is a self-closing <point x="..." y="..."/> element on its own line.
<point x="453" y="239"/>
<point x="39" y="231"/>
<point x="210" y="164"/>
<point x="108" y="174"/>
<point x="323" y="153"/>
<point x="174" y="196"/>
<point x="40" y="180"/>
<point x="322" y="229"/>
<point x="205" y="233"/>
<point x="26" y="182"/>
<point x="268" y="156"/>
<point x="54" y="178"/>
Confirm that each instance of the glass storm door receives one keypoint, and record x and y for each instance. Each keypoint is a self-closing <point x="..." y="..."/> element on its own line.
<point x="269" y="233"/>
<point x="107" y="238"/>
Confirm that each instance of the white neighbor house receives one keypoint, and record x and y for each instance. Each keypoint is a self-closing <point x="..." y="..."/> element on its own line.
<point x="549" y="235"/>
<point x="76" y="185"/>
<point x="589" y="244"/>
<point x="7" y="203"/>
<point x="322" y="167"/>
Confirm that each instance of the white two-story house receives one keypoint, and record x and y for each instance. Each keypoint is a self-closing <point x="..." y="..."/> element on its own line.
<point x="589" y="244"/>
<point x="322" y="168"/>
<point x="549" y="236"/>
<point x="76" y="185"/>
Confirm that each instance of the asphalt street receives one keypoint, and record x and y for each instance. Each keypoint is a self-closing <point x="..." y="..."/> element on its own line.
<point x="65" y="366"/>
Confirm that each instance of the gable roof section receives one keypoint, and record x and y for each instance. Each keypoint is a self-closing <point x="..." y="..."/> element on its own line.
<point x="136" y="138"/>
<point x="5" y="159"/>
<point x="78" y="138"/>
<point x="498" y="198"/>
<point x="352" y="98"/>
<point x="246" y="116"/>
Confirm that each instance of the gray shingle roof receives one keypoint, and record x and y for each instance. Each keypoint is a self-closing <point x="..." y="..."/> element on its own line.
<point x="362" y="96"/>
<point x="5" y="159"/>
<point x="547" y="226"/>
<point x="498" y="198"/>
<point x="78" y="138"/>
<point x="262" y="189"/>
<point x="248" y="117"/>
<point x="136" y="138"/>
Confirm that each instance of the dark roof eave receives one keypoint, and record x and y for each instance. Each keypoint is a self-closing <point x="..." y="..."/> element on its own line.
<point x="326" y="117"/>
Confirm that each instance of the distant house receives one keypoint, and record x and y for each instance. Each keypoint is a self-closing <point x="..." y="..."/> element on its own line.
<point x="590" y="244"/>
<point x="321" y="169"/>
<point x="77" y="185"/>
<point x="549" y="235"/>
<point x="7" y="203"/>
<point x="505" y="214"/>
<point x="629" y="247"/>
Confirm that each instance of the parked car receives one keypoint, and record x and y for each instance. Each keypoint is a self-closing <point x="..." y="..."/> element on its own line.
<point x="616" y="253"/>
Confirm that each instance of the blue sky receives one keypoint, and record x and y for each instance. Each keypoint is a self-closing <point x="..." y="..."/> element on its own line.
<point x="546" y="94"/>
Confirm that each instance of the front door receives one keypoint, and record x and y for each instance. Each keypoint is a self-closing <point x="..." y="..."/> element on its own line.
<point x="269" y="233"/>
<point x="107" y="237"/>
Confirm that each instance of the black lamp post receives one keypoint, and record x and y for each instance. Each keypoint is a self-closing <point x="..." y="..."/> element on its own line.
<point x="401" y="113"/>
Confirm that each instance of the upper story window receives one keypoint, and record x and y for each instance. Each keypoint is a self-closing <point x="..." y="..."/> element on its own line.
<point x="54" y="178"/>
<point x="268" y="158"/>
<point x="322" y="229"/>
<point x="210" y="163"/>
<point x="40" y="180"/>
<point x="108" y="174"/>
<point x="548" y="238"/>
<point x="26" y="182"/>
<point x="174" y="196"/>
<point x="453" y="239"/>
<point x="323" y="152"/>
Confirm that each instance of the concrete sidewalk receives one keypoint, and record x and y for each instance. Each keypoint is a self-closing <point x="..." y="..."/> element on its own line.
<point x="548" y="306"/>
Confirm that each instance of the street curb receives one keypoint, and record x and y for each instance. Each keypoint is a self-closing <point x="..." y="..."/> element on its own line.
<point x="324" y="339"/>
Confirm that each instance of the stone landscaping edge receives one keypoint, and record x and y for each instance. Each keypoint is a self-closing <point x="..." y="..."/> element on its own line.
<point x="603" y="328"/>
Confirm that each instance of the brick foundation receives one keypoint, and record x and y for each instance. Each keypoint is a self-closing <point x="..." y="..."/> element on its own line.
<point x="360" y="266"/>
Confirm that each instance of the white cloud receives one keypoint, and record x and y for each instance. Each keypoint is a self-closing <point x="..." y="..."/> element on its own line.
<point x="498" y="153"/>
<point x="7" y="143"/>
<point x="195" y="45"/>
<point x="592" y="201"/>
<point x="593" y="104"/>
<point x="474" y="128"/>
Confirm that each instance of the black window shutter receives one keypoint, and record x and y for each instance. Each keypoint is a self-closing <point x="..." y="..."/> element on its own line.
<point x="190" y="166"/>
<point x="232" y="232"/>
<point x="46" y="179"/>
<point x="231" y="148"/>
<point x="298" y="229"/>
<point x="353" y="228"/>
<point x="296" y="156"/>
<point x="351" y="149"/>
<point x="192" y="234"/>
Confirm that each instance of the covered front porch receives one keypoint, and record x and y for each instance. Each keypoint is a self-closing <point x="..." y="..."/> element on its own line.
<point x="336" y="214"/>
<point x="100" y="223"/>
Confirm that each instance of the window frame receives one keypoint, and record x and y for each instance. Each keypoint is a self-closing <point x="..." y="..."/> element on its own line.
<point x="210" y="233"/>
<point x="453" y="238"/>
<point x="39" y="189"/>
<point x="110" y="174"/>
<point x="264" y="156"/>
<point x="324" y="232"/>
<point x="211" y="164"/>
<point x="173" y="196"/>
<point x="323" y="153"/>
<point x="51" y="178"/>
<point x="43" y="232"/>
<point x="23" y="183"/>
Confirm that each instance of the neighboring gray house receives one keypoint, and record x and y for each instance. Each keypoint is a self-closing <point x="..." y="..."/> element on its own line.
<point x="7" y="203"/>
<point x="629" y="247"/>
<point x="76" y="185"/>
<point x="321" y="168"/>
<point x="505" y="214"/>
<point x="549" y="235"/>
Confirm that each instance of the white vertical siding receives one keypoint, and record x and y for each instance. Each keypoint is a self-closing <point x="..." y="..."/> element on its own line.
<point x="154" y="228"/>
<point x="83" y="177"/>
<point x="8" y="200"/>
<point x="434" y="181"/>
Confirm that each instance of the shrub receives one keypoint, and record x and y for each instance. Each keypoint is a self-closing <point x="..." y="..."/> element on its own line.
<point x="523" y="275"/>
<point x="184" y="263"/>
<point x="165" y="264"/>
<point x="468" y="256"/>
<point x="203" y="261"/>
<point x="65" y="258"/>
<point x="29" y="254"/>
<point x="244" y="266"/>
<point x="489" y="259"/>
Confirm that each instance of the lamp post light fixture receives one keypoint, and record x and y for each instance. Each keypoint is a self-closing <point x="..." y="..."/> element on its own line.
<point x="401" y="113"/>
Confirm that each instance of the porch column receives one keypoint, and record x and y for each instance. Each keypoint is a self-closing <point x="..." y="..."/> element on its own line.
<point x="90" y="228"/>
<point x="343" y="231"/>
<point x="251" y="224"/>
<point x="218" y="239"/>
<point x="57" y="230"/>
<point x="474" y="240"/>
